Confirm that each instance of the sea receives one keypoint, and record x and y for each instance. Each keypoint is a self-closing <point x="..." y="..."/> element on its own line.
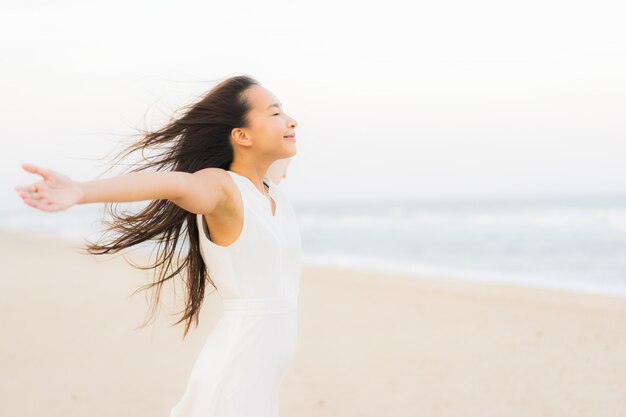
<point x="574" y="243"/>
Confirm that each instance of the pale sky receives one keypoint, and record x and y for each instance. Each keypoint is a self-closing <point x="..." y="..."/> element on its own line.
<point x="394" y="100"/>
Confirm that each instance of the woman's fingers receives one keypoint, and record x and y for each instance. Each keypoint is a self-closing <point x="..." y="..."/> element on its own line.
<point x="46" y="174"/>
<point x="33" y="191"/>
<point x="30" y="191"/>
<point x="32" y="203"/>
<point x="27" y="188"/>
<point x="55" y="192"/>
<point x="40" y="204"/>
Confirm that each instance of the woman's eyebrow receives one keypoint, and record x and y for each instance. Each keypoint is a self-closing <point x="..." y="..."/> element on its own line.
<point x="274" y="105"/>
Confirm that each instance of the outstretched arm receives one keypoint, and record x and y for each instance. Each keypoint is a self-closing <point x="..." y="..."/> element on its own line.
<point x="135" y="186"/>
<point x="56" y="192"/>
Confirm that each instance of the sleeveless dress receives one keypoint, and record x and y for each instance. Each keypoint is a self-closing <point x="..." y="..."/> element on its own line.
<point x="243" y="360"/>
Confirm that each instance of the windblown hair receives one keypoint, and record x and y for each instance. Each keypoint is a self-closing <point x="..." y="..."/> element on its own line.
<point x="198" y="139"/>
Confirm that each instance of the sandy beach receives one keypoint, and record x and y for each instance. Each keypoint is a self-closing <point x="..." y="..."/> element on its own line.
<point x="368" y="345"/>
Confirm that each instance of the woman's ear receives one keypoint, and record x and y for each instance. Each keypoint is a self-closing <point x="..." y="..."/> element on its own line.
<point x="278" y="170"/>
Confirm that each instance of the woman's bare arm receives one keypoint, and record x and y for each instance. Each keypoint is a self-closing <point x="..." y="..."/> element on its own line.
<point x="199" y="192"/>
<point x="203" y="191"/>
<point x="135" y="186"/>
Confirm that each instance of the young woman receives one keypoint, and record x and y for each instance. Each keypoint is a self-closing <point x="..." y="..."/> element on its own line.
<point x="213" y="178"/>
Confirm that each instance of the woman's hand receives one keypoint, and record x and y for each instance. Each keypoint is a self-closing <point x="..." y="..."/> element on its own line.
<point x="55" y="192"/>
<point x="278" y="170"/>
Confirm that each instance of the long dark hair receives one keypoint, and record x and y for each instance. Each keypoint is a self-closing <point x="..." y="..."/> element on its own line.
<point x="198" y="139"/>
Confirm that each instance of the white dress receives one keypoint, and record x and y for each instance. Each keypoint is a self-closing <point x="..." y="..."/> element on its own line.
<point x="240" y="367"/>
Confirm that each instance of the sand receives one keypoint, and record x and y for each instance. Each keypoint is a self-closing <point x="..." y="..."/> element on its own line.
<point x="368" y="344"/>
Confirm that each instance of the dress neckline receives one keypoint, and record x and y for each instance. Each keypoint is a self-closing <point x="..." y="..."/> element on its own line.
<point x="271" y="192"/>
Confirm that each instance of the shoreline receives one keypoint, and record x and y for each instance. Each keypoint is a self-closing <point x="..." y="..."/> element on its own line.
<point x="451" y="278"/>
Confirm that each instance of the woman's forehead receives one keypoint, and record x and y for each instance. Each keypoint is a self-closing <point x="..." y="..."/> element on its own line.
<point x="263" y="99"/>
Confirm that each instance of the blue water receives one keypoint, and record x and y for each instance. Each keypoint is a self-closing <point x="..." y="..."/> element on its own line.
<point x="572" y="243"/>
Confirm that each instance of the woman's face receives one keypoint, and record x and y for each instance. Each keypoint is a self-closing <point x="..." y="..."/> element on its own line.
<point x="268" y="126"/>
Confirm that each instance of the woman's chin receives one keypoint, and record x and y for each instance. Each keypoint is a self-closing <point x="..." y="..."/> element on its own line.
<point x="291" y="151"/>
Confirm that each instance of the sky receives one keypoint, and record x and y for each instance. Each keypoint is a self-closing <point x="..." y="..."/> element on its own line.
<point x="394" y="100"/>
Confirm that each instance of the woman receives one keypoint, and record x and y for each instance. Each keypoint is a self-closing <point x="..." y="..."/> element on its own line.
<point x="217" y="174"/>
